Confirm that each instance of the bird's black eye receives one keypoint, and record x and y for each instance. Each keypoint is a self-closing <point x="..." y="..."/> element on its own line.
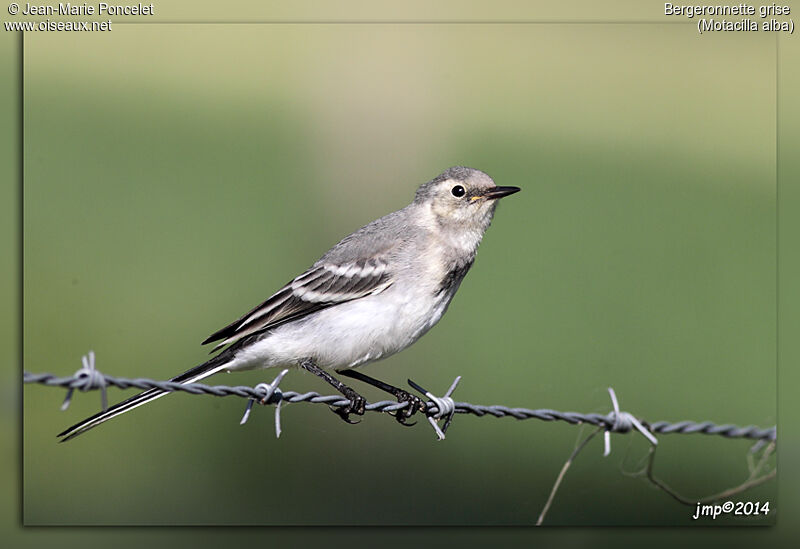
<point x="458" y="191"/>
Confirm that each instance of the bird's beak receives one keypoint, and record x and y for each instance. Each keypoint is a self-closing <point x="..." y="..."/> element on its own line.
<point x="500" y="192"/>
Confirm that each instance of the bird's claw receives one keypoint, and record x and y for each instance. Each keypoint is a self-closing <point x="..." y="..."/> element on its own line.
<point x="415" y="404"/>
<point x="357" y="406"/>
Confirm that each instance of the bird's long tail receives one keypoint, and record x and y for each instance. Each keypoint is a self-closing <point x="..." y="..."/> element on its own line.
<point x="190" y="376"/>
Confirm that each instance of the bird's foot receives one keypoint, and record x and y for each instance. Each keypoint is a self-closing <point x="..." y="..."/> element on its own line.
<point x="415" y="404"/>
<point x="357" y="406"/>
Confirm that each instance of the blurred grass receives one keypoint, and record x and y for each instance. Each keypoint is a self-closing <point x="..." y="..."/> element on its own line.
<point x="178" y="175"/>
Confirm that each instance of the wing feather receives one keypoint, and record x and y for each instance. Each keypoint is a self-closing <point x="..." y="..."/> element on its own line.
<point x="324" y="285"/>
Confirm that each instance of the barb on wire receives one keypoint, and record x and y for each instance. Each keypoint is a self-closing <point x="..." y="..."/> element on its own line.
<point x="86" y="379"/>
<point x="623" y="423"/>
<point x="443" y="406"/>
<point x="272" y="395"/>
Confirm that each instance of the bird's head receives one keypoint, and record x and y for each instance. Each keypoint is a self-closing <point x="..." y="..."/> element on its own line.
<point x="462" y="199"/>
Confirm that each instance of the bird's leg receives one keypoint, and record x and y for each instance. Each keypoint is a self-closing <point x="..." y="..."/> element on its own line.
<point x="415" y="404"/>
<point x="357" y="402"/>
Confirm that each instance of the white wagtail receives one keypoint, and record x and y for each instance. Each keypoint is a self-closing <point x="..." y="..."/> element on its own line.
<point x="373" y="294"/>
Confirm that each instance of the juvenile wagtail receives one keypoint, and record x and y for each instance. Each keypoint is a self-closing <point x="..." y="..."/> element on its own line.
<point x="370" y="296"/>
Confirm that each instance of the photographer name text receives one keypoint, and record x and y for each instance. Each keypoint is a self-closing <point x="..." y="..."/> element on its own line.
<point x="101" y="8"/>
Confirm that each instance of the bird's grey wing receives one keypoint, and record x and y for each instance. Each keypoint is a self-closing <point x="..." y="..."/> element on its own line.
<point x="325" y="284"/>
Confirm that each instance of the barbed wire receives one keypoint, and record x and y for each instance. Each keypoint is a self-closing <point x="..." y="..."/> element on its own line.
<point x="615" y="421"/>
<point x="88" y="378"/>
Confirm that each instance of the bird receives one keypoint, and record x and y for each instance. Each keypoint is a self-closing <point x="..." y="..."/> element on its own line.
<point x="370" y="296"/>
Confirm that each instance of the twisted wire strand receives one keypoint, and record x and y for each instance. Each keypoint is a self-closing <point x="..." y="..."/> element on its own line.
<point x="614" y="422"/>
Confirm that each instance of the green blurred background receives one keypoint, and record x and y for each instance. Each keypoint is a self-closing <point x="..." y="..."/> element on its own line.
<point x="176" y="175"/>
